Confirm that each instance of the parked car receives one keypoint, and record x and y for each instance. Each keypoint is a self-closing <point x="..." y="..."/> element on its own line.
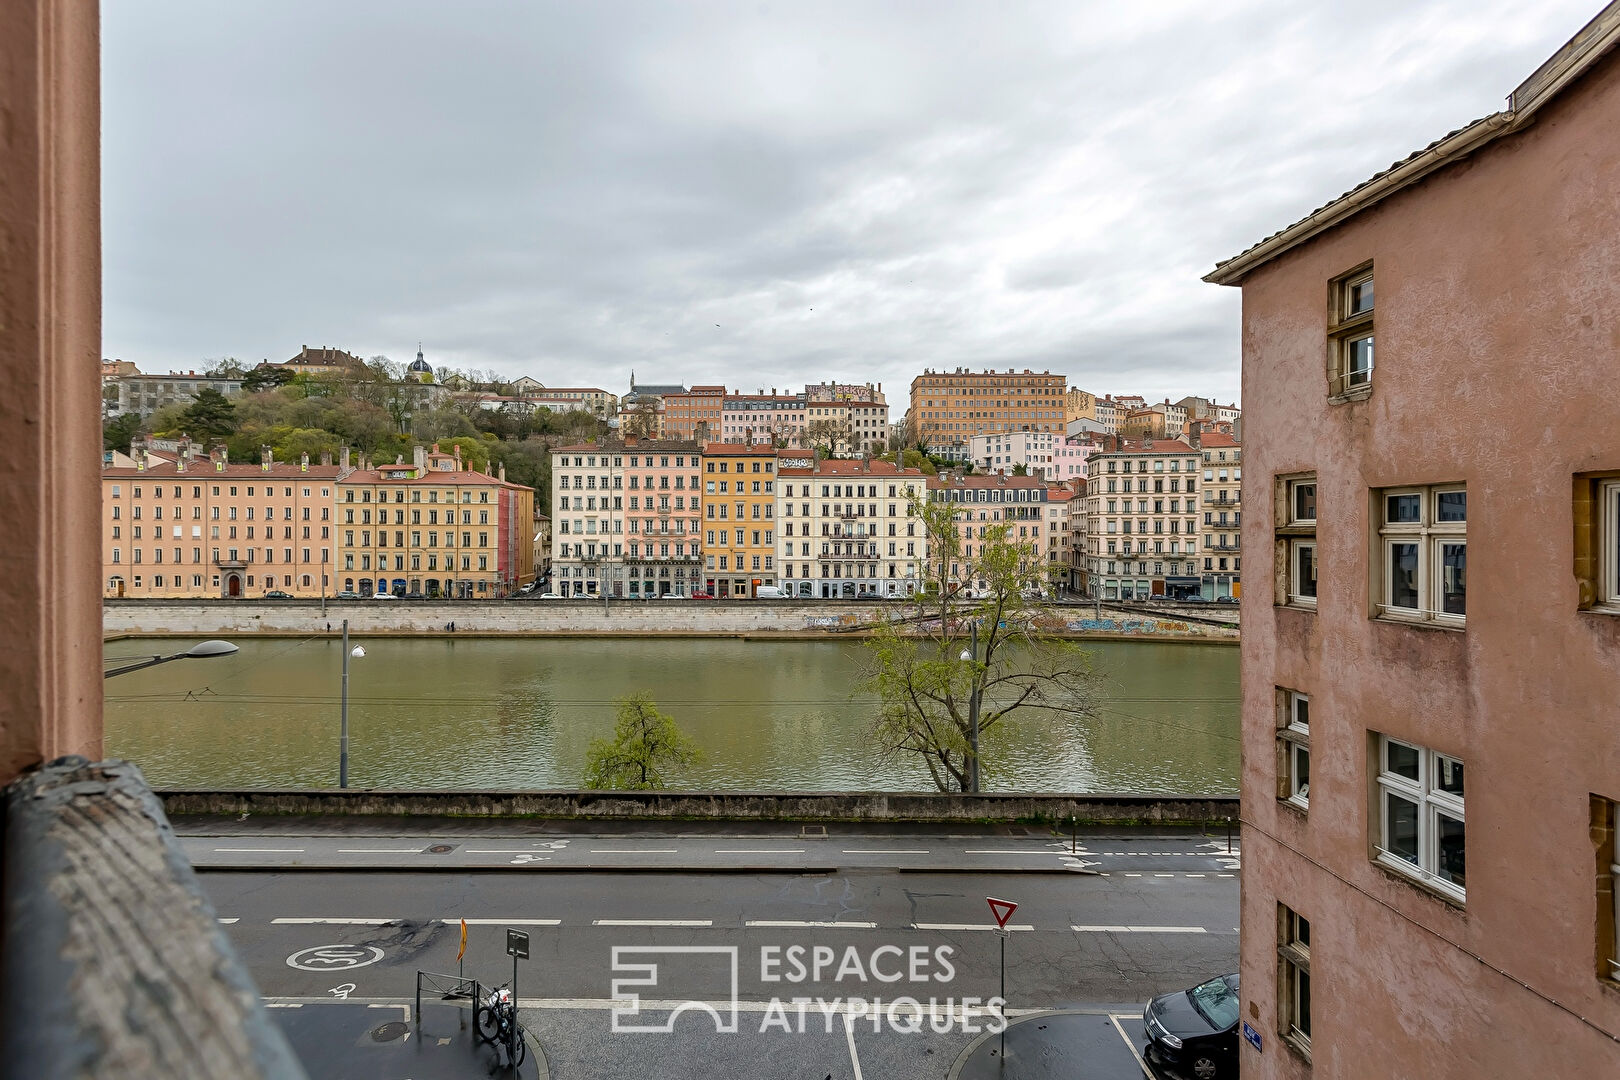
<point x="415" y="595"/>
<point x="525" y="590"/>
<point x="277" y="594"/>
<point x="1195" y="599"/>
<point x="1193" y="1033"/>
<point x="1227" y="600"/>
<point x="700" y="595"/>
<point x="770" y="592"/>
<point x="384" y="596"/>
<point x="550" y="596"/>
<point x="347" y="594"/>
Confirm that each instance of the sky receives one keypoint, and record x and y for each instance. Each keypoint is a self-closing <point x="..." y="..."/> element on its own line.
<point x="757" y="194"/>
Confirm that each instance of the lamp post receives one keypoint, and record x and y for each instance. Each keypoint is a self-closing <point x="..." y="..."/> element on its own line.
<point x="343" y="728"/>
<point x="203" y="650"/>
<point x="972" y="656"/>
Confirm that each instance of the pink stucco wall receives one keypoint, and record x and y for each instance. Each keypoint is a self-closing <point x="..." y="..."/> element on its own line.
<point x="1498" y="365"/>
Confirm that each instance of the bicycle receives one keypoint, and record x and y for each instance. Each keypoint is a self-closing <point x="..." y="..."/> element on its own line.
<point x="498" y="1024"/>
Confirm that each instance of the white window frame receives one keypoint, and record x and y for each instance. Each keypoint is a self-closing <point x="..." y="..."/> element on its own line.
<point x="1431" y="536"/>
<point x="1296" y="597"/>
<point x="1295" y="539"/>
<point x="1608" y="539"/>
<point x="1293" y="741"/>
<point x="1432" y="803"/>
<point x="1346" y="329"/>
<point x="1293" y="974"/>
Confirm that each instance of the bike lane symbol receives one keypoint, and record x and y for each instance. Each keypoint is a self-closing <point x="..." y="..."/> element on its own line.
<point x="334" y="957"/>
<point x="343" y="990"/>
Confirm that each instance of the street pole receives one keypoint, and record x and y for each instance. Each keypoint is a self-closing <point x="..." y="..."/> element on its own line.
<point x="973" y="713"/>
<point x="1004" y="997"/>
<point x="343" y="730"/>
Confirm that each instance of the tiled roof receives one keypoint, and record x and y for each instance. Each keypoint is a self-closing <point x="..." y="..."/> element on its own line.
<point x="430" y="477"/>
<point x="719" y="449"/>
<point x="241" y="470"/>
<point x="980" y="480"/>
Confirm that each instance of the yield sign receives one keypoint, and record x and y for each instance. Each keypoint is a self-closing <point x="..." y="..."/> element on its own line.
<point x="1001" y="909"/>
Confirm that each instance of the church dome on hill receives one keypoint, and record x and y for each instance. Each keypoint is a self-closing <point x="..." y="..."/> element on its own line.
<point x="420" y="367"/>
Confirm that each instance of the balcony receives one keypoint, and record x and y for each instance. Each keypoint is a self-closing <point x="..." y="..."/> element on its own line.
<point x="834" y="556"/>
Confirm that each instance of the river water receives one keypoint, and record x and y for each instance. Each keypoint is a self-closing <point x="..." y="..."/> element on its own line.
<point x="519" y="713"/>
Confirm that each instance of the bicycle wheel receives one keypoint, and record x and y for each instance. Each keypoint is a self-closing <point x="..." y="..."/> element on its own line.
<point x="489" y="1023"/>
<point x="518" y="1048"/>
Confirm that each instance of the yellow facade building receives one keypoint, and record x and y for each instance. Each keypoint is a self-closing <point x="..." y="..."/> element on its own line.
<point x="739" y="527"/>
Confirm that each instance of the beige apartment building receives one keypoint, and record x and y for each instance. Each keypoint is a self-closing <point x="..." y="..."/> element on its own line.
<point x="1141" y="529"/>
<point x="948" y="408"/>
<point x="1221" y="526"/>
<point x="432" y="528"/>
<point x="1431" y="772"/>
<point x="199" y="527"/>
<point x="845" y="528"/>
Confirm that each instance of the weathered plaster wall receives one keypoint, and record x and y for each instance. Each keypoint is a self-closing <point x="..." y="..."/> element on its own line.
<point x="1498" y="364"/>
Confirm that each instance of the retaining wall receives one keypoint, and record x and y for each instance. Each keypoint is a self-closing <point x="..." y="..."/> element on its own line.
<point x="714" y="805"/>
<point x="627" y="618"/>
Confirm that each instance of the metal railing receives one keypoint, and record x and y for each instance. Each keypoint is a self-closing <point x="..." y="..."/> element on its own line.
<point x="448" y="988"/>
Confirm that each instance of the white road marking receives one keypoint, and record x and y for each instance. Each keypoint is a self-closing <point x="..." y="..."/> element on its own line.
<point x="504" y="922"/>
<point x="968" y="926"/>
<point x="634" y="851"/>
<point x="505" y="850"/>
<point x="849" y="1037"/>
<point x="337" y="922"/>
<point x="1164" y="875"/>
<point x="227" y="922"/>
<point x="1194" y="875"/>
<point x="884" y="851"/>
<point x="1113" y="1018"/>
<point x="652" y="922"/>
<point x="1133" y="875"/>
<point x="379" y="851"/>
<point x="262" y="850"/>
<point x="811" y="923"/>
<point x="1005" y="851"/>
<point x="759" y="851"/>
<point x="1138" y="929"/>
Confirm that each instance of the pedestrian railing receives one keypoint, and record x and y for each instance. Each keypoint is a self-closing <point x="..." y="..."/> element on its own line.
<point x="446" y="988"/>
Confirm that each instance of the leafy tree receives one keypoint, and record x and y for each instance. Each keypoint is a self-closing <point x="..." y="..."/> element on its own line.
<point x="915" y="459"/>
<point x="474" y="451"/>
<point x="209" y="416"/>
<point x="120" y="431"/>
<point x="645" y="747"/>
<point x="266" y="378"/>
<point x="642" y="420"/>
<point x="823" y="434"/>
<point x="916" y="666"/>
<point x="1020" y="469"/>
<point x="226" y="367"/>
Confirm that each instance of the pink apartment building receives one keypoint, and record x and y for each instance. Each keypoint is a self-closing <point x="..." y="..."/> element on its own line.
<point x="1430" y="773"/>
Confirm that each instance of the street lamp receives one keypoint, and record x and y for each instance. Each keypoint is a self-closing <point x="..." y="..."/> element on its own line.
<point x="972" y="656"/>
<point x="343" y="730"/>
<point x="200" y="651"/>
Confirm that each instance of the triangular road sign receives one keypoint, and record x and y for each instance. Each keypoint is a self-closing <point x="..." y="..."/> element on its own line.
<point x="1001" y="909"/>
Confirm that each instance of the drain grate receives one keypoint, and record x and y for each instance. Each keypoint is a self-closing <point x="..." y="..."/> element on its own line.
<point x="440" y="849"/>
<point x="389" y="1032"/>
<point x="813" y="832"/>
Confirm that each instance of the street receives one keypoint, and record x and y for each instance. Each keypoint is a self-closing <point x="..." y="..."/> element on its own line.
<point x="820" y="957"/>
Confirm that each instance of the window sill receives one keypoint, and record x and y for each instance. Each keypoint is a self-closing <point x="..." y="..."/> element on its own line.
<point x="1422" y="624"/>
<point x="1611" y="610"/>
<point x="1299" y="605"/>
<point x="1405" y="874"/>
<point x="1360" y="393"/>
<point x="1297" y="1046"/>
<point x="1297" y="806"/>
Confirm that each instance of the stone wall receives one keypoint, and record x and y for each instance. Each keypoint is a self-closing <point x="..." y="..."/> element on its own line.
<point x="630" y="618"/>
<point x="714" y="805"/>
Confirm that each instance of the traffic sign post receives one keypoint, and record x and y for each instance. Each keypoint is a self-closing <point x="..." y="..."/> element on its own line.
<point x="517" y="945"/>
<point x="1002" y="910"/>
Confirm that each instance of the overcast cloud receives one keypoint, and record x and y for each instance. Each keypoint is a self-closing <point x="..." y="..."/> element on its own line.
<point x="759" y="194"/>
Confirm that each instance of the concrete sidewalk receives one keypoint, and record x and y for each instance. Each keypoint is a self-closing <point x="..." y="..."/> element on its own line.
<point x="1065" y="1045"/>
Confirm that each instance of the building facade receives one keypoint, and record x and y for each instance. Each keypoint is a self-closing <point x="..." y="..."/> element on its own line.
<point x="1397" y="921"/>
<point x="1221" y="507"/>
<point x="846" y="529"/>
<point x="948" y="408"/>
<point x="200" y="527"/>
<point x="859" y="426"/>
<point x="625" y="518"/>
<point x="763" y="419"/>
<point x="1141" y="531"/>
<point x="739" y="519"/>
<point x="1041" y="454"/>
<point x="695" y="415"/>
<point x="146" y="394"/>
<point x="1019" y="502"/>
<point x="432" y="528"/>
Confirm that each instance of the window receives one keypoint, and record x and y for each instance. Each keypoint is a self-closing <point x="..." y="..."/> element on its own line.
<point x="1422" y="554"/>
<point x="1296" y="541"/>
<point x="1597" y="541"/>
<point x="1294" y="980"/>
<point x="1420" y="815"/>
<point x="1350" y="335"/>
<point x="1293" y="747"/>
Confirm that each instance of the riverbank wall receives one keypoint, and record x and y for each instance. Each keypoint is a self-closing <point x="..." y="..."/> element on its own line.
<point x="782" y="619"/>
<point x="714" y="806"/>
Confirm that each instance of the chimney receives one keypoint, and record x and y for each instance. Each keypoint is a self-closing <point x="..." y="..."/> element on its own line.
<point x="419" y="459"/>
<point x="303" y="463"/>
<point x="503" y="472"/>
<point x="220" y="456"/>
<point x="139" y="454"/>
<point x="326" y="457"/>
<point x="399" y="459"/>
<point x="458" y="458"/>
<point x="1195" y="434"/>
<point x="181" y="458"/>
<point x="266" y="456"/>
<point x="343" y="459"/>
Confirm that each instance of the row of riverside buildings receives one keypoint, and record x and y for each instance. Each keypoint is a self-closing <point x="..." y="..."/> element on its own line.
<point x="179" y="523"/>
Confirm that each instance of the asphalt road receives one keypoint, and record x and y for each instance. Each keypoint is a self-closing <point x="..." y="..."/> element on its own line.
<point x="1099" y="943"/>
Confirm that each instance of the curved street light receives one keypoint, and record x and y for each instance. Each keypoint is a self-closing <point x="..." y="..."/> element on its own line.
<point x="203" y="650"/>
